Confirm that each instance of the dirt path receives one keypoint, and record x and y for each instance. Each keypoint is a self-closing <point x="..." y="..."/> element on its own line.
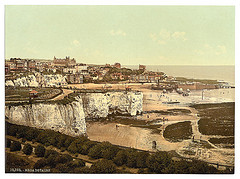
<point x="61" y="96"/>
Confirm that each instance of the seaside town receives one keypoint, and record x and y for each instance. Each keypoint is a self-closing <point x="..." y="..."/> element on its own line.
<point x="110" y="89"/>
<point x="141" y="110"/>
<point x="78" y="73"/>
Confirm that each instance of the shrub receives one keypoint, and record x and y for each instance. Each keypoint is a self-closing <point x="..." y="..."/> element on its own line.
<point x="27" y="149"/>
<point x="76" y="163"/>
<point x="87" y="146"/>
<point x="158" y="162"/>
<point x="108" y="150"/>
<point x="40" y="163"/>
<point x="120" y="158"/>
<point x="8" y="143"/>
<point x="62" y="168"/>
<point x="96" y="151"/>
<point x="15" y="146"/>
<point x="32" y="134"/>
<point x="40" y="151"/>
<point x="141" y="159"/>
<point x="104" y="166"/>
<point x="63" y="158"/>
<point x="73" y="148"/>
<point x="50" y="152"/>
<point x="131" y="158"/>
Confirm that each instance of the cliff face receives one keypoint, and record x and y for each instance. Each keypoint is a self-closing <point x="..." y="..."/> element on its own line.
<point x="100" y="105"/>
<point x="70" y="118"/>
<point x="37" y="80"/>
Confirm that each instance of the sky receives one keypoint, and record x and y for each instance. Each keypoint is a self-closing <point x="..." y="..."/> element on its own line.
<point x="131" y="35"/>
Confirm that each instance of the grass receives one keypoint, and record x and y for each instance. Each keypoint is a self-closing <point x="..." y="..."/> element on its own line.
<point x="173" y="112"/>
<point x="216" y="119"/>
<point x="178" y="132"/>
<point x="227" y="140"/>
<point x="22" y="93"/>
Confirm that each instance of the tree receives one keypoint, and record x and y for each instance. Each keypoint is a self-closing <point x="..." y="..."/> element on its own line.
<point x="8" y="143"/>
<point x="87" y="146"/>
<point x="27" y="149"/>
<point x="158" y="162"/>
<point x="104" y="166"/>
<point x="15" y="146"/>
<point x="40" y="151"/>
<point x="132" y="158"/>
<point x="108" y="150"/>
<point x="96" y="151"/>
<point x="120" y="158"/>
<point x="141" y="159"/>
<point x="63" y="158"/>
<point x="40" y="163"/>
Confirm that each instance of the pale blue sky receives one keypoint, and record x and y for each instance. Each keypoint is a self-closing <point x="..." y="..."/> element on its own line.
<point x="162" y="35"/>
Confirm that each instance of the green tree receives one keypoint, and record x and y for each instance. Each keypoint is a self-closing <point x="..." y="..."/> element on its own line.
<point x="158" y="162"/>
<point x="141" y="159"/>
<point x="27" y="149"/>
<point x="120" y="158"/>
<point x="8" y="142"/>
<point x="15" y="146"/>
<point x="40" y="163"/>
<point x="40" y="151"/>
<point x="95" y="151"/>
<point x="104" y="166"/>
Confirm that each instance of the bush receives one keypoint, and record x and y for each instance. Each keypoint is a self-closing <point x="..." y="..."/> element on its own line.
<point x="87" y="146"/>
<point x="96" y="151"/>
<point x="62" y="168"/>
<point x="15" y="146"/>
<point x="8" y="143"/>
<point x="141" y="159"/>
<point x="63" y="158"/>
<point x="131" y="158"/>
<point x="158" y="162"/>
<point x="40" y="151"/>
<point x="76" y="163"/>
<point x="108" y="150"/>
<point x="27" y="149"/>
<point x="50" y="152"/>
<point x="120" y="158"/>
<point x="73" y="148"/>
<point x="104" y="166"/>
<point x="40" y="163"/>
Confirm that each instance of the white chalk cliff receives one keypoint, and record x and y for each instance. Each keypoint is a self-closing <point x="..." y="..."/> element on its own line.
<point x="70" y="118"/>
<point x="37" y="80"/>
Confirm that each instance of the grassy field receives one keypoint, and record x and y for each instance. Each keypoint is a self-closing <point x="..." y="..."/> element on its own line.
<point x="178" y="132"/>
<point x="22" y="94"/>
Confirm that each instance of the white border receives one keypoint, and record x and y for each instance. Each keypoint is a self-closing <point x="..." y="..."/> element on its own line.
<point x="236" y="3"/>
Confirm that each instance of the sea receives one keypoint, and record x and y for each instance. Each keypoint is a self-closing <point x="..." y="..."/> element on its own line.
<point x="223" y="73"/>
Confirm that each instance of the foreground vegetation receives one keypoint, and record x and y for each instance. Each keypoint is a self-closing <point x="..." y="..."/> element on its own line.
<point x="105" y="157"/>
<point x="178" y="132"/>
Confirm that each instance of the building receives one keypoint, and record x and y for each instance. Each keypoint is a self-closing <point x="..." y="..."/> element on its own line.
<point x="117" y="65"/>
<point x="66" y="62"/>
<point x="142" y="67"/>
<point x="75" y="78"/>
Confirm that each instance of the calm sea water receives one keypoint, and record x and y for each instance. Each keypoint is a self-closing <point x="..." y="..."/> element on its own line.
<point x="225" y="73"/>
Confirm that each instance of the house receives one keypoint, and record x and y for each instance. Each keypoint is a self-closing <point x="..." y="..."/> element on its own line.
<point x="142" y="67"/>
<point x="66" y="62"/>
<point x="117" y="65"/>
<point x="33" y="94"/>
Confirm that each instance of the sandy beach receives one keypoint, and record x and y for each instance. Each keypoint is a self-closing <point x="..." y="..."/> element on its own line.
<point x="141" y="138"/>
